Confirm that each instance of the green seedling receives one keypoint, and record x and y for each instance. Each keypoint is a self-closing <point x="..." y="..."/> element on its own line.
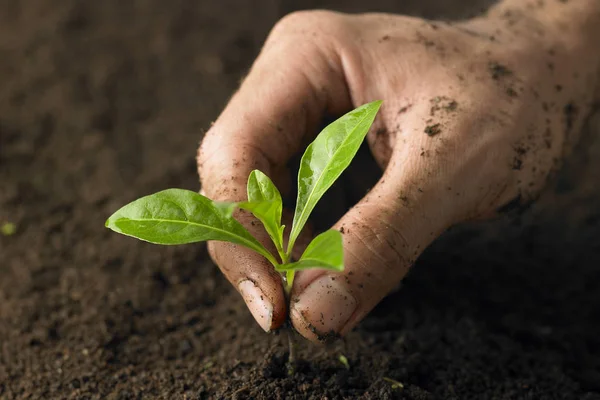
<point x="177" y="216"/>
<point x="344" y="360"/>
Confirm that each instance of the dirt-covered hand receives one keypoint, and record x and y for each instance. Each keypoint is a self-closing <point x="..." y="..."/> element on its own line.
<point x="476" y="116"/>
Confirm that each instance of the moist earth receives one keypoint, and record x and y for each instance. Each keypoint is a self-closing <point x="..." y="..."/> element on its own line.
<point x="102" y="102"/>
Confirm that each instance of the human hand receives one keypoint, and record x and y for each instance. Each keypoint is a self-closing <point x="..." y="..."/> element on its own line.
<point x="475" y="117"/>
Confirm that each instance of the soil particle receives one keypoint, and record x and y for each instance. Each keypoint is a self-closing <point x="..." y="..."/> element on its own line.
<point x="520" y="151"/>
<point x="517" y="164"/>
<point x="451" y="106"/>
<point x="548" y="138"/>
<point x="442" y="103"/>
<point x="404" y="109"/>
<point x="502" y="74"/>
<point x="432" y="130"/>
<point x="498" y="71"/>
<point x="570" y="112"/>
<point x="511" y="92"/>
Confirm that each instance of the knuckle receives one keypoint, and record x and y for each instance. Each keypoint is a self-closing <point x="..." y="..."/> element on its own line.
<point x="299" y="20"/>
<point x="306" y="22"/>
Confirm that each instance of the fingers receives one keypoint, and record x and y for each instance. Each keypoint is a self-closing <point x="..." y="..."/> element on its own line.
<point x="291" y="85"/>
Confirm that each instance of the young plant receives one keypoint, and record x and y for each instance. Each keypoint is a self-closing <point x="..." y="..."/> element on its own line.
<point x="176" y="216"/>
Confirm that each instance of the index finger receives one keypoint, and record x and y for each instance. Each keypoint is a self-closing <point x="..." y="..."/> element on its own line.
<point x="289" y="88"/>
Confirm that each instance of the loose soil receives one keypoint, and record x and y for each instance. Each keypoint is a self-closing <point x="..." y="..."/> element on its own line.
<point x="101" y="102"/>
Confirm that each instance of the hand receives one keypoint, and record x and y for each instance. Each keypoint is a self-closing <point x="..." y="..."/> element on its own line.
<point x="475" y="117"/>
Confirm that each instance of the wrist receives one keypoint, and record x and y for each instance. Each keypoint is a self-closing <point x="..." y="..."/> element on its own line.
<point x="566" y="32"/>
<point x="573" y="25"/>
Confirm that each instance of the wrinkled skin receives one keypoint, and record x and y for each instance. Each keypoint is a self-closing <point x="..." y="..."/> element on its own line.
<point x="476" y="117"/>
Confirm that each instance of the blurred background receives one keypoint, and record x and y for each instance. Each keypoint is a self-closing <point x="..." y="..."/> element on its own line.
<point x="102" y="102"/>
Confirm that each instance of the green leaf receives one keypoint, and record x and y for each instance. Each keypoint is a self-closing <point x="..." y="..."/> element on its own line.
<point x="177" y="216"/>
<point x="344" y="360"/>
<point x="326" y="158"/>
<point x="264" y="201"/>
<point x="8" y="229"/>
<point x="326" y="251"/>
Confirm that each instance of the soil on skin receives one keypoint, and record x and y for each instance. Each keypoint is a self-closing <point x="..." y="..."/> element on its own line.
<point x="101" y="102"/>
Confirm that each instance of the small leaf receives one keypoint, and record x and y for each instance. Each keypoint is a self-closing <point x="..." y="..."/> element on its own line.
<point x="326" y="251"/>
<point x="264" y="201"/>
<point x="395" y="383"/>
<point x="8" y="229"/>
<point x="177" y="216"/>
<point x="344" y="360"/>
<point x="326" y="158"/>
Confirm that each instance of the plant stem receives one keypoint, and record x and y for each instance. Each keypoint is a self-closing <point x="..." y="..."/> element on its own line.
<point x="289" y="275"/>
<point x="289" y="282"/>
<point x="291" y="364"/>
<point x="288" y="328"/>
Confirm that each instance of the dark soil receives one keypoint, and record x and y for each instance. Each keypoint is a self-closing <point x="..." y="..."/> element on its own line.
<point x="101" y="102"/>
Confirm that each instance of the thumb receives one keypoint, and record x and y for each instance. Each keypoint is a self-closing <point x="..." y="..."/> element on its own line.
<point x="383" y="235"/>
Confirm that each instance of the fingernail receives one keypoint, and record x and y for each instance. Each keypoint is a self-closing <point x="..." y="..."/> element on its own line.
<point x="258" y="304"/>
<point x="325" y="305"/>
